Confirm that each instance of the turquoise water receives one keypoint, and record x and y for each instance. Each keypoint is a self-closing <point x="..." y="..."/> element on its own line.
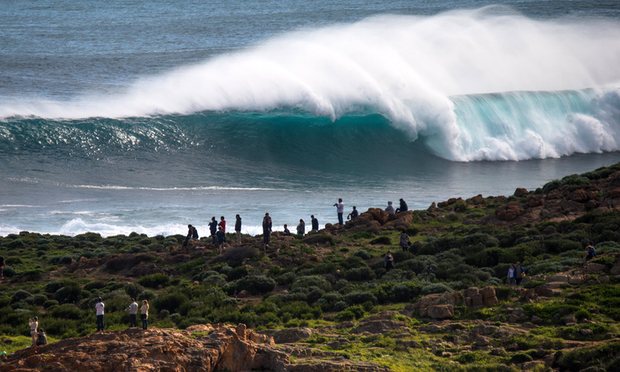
<point x="133" y="116"/>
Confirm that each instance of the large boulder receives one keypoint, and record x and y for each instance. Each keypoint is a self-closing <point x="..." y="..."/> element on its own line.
<point x="291" y="335"/>
<point x="421" y="307"/>
<point x="443" y="311"/>
<point x="508" y="212"/>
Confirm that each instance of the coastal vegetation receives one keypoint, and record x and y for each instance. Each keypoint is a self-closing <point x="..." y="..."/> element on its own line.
<point x="330" y="292"/>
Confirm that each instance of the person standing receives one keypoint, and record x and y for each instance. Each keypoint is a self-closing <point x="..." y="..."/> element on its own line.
<point x="511" y="275"/>
<point x="100" y="311"/>
<point x="519" y="273"/>
<point x="340" y="210"/>
<point x="222" y="224"/>
<point x="144" y="313"/>
<point x="353" y="215"/>
<point x="404" y="241"/>
<point x="389" y="261"/>
<point x="301" y="228"/>
<point x="221" y="239"/>
<point x="314" y="223"/>
<point x="33" y="323"/>
<point x="133" y="313"/>
<point x="287" y="232"/>
<point x="213" y="229"/>
<point x="266" y="230"/>
<point x="238" y="228"/>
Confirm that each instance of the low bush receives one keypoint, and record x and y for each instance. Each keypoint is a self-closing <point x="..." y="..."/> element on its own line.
<point x="171" y="302"/>
<point x="255" y="284"/>
<point x="312" y="281"/>
<point x="157" y="280"/>
<point x="66" y="311"/>
<point x="360" y="297"/>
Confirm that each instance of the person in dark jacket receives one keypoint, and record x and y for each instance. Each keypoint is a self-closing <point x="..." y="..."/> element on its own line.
<point x="402" y="207"/>
<point x="238" y="227"/>
<point x="213" y="230"/>
<point x="266" y="230"/>
<point x="353" y="215"/>
<point x="315" y="223"/>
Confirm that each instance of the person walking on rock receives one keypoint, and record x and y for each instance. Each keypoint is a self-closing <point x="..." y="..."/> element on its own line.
<point x="144" y="314"/>
<point x="100" y="311"/>
<point x="133" y="313"/>
<point x="340" y="210"/>
<point x="314" y="223"/>
<point x="238" y="228"/>
<point x="301" y="228"/>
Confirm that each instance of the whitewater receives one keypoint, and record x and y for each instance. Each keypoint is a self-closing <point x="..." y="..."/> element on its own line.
<point x="485" y="84"/>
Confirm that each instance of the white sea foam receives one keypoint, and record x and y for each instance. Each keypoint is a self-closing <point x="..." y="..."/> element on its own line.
<point x="412" y="69"/>
<point x="197" y="188"/>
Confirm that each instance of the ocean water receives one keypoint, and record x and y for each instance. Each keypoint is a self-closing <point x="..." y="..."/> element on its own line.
<point x="124" y="116"/>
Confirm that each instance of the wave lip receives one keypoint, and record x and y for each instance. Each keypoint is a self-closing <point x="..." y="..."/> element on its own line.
<point x="197" y="188"/>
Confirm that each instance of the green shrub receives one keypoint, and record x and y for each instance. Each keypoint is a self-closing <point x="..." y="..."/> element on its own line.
<point x="70" y="293"/>
<point x="157" y="280"/>
<point x="237" y="273"/>
<point x="66" y="311"/>
<point x="20" y="295"/>
<point x="605" y="356"/>
<point x="404" y="292"/>
<point x="520" y="358"/>
<point x="350" y="313"/>
<point x="435" y="288"/>
<point x="363" y="254"/>
<point x="381" y="240"/>
<point x="93" y="285"/>
<point x="171" y="302"/>
<point x="359" y="274"/>
<point x="328" y="301"/>
<point x="38" y="299"/>
<point x="255" y="284"/>
<point x="286" y="278"/>
<point x="133" y="290"/>
<point x="560" y="245"/>
<point x="312" y="281"/>
<point x="360" y="297"/>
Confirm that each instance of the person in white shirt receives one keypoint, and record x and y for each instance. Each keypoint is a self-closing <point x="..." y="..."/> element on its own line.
<point x="133" y="313"/>
<point x="34" y="325"/>
<point x="99" y="308"/>
<point x="144" y="313"/>
<point x="340" y="210"/>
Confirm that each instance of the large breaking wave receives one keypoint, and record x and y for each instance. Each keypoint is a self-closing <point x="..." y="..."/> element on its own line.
<point x="483" y="84"/>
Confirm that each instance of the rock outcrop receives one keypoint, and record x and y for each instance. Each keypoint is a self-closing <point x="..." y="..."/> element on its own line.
<point x="198" y="348"/>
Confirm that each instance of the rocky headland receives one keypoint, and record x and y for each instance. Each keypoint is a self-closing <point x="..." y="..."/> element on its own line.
<point x="325" y="302"/>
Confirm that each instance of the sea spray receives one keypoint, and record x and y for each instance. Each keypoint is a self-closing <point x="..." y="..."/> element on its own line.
<point x="434" y="78"/>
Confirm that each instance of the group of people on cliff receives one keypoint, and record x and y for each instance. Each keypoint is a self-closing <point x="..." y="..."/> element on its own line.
<point x="217" y="229"/>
